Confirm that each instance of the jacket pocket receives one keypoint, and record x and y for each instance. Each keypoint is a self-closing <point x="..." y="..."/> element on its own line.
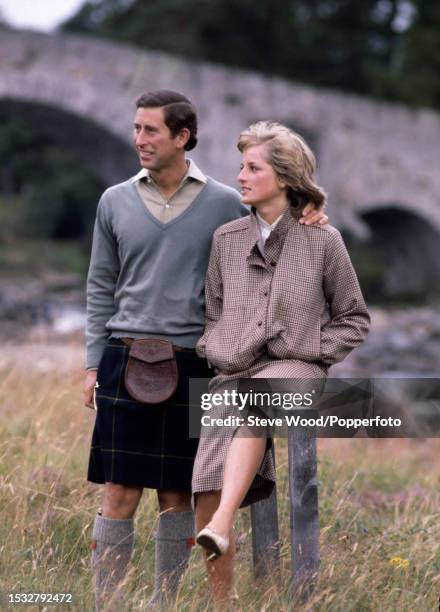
<point x="301" y="335"/>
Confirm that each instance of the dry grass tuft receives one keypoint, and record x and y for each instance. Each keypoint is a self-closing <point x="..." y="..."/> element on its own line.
<point x="379" y="508"/>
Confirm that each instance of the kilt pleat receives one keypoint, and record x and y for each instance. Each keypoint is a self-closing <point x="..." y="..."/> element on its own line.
<point x="138" y="444"/>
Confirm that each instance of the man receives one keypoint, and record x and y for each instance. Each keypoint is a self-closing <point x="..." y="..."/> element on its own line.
<point x="151" y="245"/>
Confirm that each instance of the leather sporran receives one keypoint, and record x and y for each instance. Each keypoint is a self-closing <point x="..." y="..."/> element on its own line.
<point x="151" y="374"/>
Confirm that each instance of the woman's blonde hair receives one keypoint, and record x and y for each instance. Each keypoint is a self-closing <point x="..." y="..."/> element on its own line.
<point x="291" y="158"/>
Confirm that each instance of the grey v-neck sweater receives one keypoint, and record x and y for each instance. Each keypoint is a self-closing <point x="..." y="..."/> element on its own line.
<point x="146" y="278"/>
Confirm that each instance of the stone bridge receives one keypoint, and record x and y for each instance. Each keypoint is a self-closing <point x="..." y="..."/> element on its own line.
<point x="378" y="162"/>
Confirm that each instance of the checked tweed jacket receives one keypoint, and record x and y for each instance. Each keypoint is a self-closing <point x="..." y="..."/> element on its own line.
<point x="287" y="315"/>
<point x="301" y="301"/>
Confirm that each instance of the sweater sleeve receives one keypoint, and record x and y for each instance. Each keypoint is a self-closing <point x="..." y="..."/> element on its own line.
<point x="101" y="284"/>
<point x="213" y="296"/>
<point x="349" y="318"/>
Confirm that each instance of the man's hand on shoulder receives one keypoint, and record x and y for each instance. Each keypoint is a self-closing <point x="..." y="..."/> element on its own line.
<point x="313" y="216"/>
<point x="89" y="387"/>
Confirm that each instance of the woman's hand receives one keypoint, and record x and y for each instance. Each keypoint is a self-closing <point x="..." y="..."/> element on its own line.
<point x="311" y="216"/>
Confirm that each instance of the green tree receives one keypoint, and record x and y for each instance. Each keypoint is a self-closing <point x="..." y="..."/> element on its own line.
<point x="421" y="62"/>
<point x="385" y="48"/>
<point x="53" y="195"/>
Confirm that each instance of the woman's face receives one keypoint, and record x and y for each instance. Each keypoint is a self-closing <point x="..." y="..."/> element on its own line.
<point x="258" y="180"/>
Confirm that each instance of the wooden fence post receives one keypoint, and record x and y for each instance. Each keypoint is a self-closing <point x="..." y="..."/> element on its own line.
<point x="304" y="517"/>
<point x="265" y="538"/>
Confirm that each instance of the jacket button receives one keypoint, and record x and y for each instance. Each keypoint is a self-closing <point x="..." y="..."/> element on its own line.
<point x="273" y="263"/>
<point x="260" y="323"/>
<point x="266" y="293"/>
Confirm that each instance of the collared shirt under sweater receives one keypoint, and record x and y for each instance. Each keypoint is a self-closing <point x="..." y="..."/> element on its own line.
<point x="146" y="278"/>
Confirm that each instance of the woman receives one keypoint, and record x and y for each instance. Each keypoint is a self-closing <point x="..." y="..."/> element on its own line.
<point x="282" y="301"/>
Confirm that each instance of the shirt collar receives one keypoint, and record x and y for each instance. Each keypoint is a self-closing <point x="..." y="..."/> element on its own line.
<point x="193" y="173"/>
<point x="283" y="224"/>
<point x="264" y="224"/>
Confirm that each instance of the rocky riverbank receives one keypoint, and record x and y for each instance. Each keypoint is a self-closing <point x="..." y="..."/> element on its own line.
<point x="45" y="307"/>
<point x="402" y="341"/>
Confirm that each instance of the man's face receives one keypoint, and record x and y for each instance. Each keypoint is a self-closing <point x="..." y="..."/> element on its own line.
<point x="156" y="147"/>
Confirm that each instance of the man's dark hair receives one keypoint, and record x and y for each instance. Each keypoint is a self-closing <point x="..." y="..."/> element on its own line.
<point x="179" y="113"/>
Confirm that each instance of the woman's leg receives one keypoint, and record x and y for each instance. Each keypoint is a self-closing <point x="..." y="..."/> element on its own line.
<point x="219" y="508"/>
<point x="243" y="459"/>
<point x="220" y="571"/>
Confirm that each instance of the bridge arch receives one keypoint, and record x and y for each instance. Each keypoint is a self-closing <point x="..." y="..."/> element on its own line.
<point x="108" y="156"/>
<point x="407" y="242"/>
<point x="368" y="151"/>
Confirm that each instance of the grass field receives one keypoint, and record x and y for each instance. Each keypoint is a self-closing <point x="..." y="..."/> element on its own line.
<point x="379" y="508"/>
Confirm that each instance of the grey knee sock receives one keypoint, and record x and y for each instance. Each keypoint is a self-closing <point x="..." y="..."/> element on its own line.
<point x="174" y="540"/>
<point x="112" y="545"/>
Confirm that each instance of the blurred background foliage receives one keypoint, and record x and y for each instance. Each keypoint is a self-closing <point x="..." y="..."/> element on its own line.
<point x="388" y="49"/>
<point x="383" y="48"/>
<point x="54" y="188"/>
<point x="48" y="199"/>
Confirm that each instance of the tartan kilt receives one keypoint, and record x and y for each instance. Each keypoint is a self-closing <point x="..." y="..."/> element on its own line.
<point x="138" y="444"/>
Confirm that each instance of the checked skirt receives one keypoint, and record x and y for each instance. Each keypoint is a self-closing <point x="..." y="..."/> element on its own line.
<point x="138" y="444"/>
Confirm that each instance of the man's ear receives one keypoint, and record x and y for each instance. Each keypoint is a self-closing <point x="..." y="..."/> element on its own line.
<point x="182" y="137"/>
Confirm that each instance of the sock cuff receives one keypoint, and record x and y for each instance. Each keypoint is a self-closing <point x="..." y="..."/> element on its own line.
<point x="113" y="531"/>
<point x="175" y="526"/>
